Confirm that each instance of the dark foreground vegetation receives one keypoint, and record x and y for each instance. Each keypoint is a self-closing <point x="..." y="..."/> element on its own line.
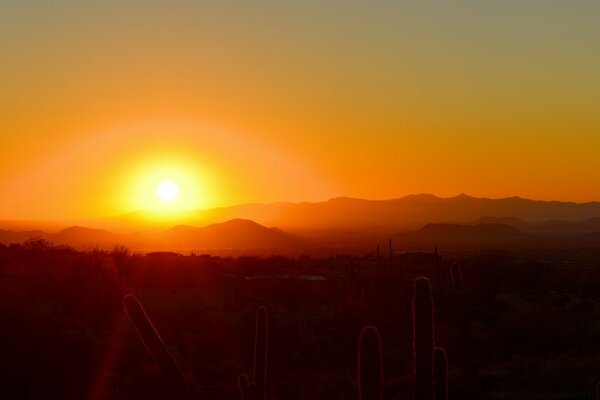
<point x="508" y="325"/>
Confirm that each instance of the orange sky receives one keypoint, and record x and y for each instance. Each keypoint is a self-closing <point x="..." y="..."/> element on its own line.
<point x="272" y="101"/>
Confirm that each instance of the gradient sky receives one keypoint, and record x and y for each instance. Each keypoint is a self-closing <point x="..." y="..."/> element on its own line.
<point x="262" y="101"/>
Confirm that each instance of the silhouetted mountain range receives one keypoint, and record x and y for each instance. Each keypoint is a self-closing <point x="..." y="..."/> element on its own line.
<point x="78" y="235"/>
<point x="416" y="220"/>
<point x="406" y="213"/>
<point x="237" y="233"/>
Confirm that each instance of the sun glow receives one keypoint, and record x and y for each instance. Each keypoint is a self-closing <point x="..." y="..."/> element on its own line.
<point x="167" y="190"/>
<point x="167" y="184"/>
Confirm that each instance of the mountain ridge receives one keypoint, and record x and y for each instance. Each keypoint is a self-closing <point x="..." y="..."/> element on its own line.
<point x="352" y="215"/>
<point x="236" y="233"/>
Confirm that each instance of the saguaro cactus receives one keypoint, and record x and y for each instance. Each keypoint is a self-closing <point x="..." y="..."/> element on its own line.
<point x="155" y="345"/>
<point x="423" y="339"/>
<point x="370" y="366"/>
<point x="456" y="274"/>
<point x="440" y="373"/>
<point x="255" y="389"/>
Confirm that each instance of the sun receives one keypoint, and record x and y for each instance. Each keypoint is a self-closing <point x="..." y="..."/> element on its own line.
<point x="166" y="186"/>
<point x="167" y="190"/>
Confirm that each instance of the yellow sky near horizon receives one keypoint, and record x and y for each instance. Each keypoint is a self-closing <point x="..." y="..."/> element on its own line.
<point x="279" y="101"/>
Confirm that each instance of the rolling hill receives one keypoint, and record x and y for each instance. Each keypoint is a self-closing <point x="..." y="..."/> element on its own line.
<point x="237" y="233"/>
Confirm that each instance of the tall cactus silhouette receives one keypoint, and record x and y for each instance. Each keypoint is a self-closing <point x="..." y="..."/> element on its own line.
<point x="423" y="339"/>
<point x="370" y="366"/>
<point x="430" y="363"/>
<point x="440" y="373"/>
<point x="456" y="275"/>
<point x="155" y="345"/>
<point x="255" y="390"/>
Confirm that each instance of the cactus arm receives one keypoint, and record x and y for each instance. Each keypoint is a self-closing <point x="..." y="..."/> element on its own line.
<point x="155" y="345"/>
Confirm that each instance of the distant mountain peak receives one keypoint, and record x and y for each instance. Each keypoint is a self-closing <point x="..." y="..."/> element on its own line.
<point x="463" y="196"/>
<point x="241" y="221"/>
<point x="234" y="233"/>
<point x="81" y="229"/>
<point x="237" y="223"/>
<point x="420" y="197"/>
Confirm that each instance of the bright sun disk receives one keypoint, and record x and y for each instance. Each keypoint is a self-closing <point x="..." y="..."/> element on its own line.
<point x="167" y="190"/>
